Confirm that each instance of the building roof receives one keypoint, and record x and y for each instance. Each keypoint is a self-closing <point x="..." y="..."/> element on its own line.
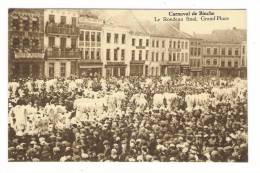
<point x="224" y="36"/>
<point x="25" y="11"/>
<point x="138" y="26"/>
<point x="125" y="18"/>
<point x="165" y="29"/>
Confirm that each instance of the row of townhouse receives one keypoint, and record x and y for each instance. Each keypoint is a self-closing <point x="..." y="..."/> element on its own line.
<point x="224" y="53"/>
<point x="61" y="43"/>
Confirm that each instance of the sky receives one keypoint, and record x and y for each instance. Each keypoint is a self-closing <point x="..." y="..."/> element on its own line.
<point x="237" y="18"/>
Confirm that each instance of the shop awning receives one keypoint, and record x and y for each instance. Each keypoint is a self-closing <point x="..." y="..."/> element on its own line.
<point x="115" y="64"/>
<point x="92" y="66"/>
<point x="25" y="55"/>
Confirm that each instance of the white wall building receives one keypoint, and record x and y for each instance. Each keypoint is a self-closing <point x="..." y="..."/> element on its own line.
<point x="158" y="48"/>
<point x="139" y="54"/>
<point x="195" y="57"/>
<point x="176" y="60"/>
<point x="89" y="43"/>
<point x="115" y="50"/>
<point x="243" y="66"/>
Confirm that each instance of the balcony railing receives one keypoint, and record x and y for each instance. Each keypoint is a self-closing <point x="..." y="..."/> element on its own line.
<point x="54" y="28"/>
<point x="64" y="54"/>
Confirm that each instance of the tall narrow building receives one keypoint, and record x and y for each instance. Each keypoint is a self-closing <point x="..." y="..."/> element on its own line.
<point x="89" y="42"/>
<point x="26" y="49"/>
<point x="60" y="42"/>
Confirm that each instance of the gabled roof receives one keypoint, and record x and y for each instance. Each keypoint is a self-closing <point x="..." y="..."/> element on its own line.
<point x="126" y="18"/>
<point x="165" y="29"/>
<point x="138" y="26"/>
<point x="224" y="36"/>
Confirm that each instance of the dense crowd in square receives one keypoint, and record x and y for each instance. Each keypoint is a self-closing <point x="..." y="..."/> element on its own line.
<point x="128" y="119"/>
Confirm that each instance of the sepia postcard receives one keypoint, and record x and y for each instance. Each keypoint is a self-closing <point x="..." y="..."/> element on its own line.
<point x="101" y="85"/>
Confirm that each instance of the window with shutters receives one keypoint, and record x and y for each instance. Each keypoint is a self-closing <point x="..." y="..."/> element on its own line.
<point x="51" y="41"/>
<point x="63" y="43"/>
<point x="52" y="18"/>
<point x="108" y="54"/>
<point x="116" y="38"/>
<point x="147" y="42"/>
<point x="215" y="51"/>
<point x="93" y="39"/>
<point x="230" y="51"/>
<point x="108" y="37"/>
<point x="140" y="55"/>
<point x="115" y="54"/>
<point x="133" y="42"/>
<point x="73" y="43"/>
<point x="87" y="36"/>
<point x="62" y="69"/>
<point x="133" y="55"/>
<point x="63" y="20"/>
<point x="123" y="38"/>
<point x="140" y="42"/>
<point x="81" y="36"/>
<point x="146" y="54"/>
<point x="74" y="21"/>
<point x="98" y="54"/>
<point x="92" y="54"/>
<point x="122" y="54"/>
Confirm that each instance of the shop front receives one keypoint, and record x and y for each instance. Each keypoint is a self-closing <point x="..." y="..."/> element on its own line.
<point x="90" y="69"/>
<point x="210" y="71"/>
<point x="28" y="65"/>
<point x="28" y="69"/>
<point x="137" y="68"/>
<point x="243" y="72"/>
<point x="185" y="70"/>
<point x="195" y="71"/>
<point x="115" y="69"/>
<point x="170" y="69"/>
<point x="229" y="72"/>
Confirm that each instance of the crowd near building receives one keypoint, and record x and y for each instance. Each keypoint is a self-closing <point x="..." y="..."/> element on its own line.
<point x="61" y="43"/>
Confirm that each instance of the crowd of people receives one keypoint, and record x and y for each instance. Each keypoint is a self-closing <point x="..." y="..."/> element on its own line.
<point x="128" y="119"/>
